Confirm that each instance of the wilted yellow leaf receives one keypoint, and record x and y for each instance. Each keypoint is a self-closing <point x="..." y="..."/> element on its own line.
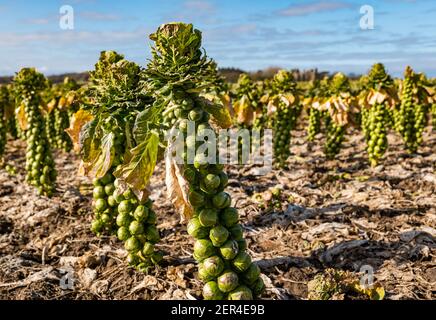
<point x="62" y="103"/>
<point x="21" y="117"/>
<point x="177" y="186"/>
<point x="79" y="119"/>
<point x="51" y="105"/>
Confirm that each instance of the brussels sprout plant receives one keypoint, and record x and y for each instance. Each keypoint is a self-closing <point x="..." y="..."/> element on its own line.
<point x="178" y="65"/>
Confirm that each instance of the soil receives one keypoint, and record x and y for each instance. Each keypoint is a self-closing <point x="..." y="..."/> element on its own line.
<point x="339" y="214"/>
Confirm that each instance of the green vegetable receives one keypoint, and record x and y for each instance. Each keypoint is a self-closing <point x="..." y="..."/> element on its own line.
<point x="241" y="262"/>
<point x="228" y="281"/>
<point x="125" y="207"/>
<point x="203" y="249"/>
<point x="176" y="75"/>
<point x="196" y="230"/>
<point x="208" y="217"/>
<point x="213" y="266"/>
<point x="218" y="235"/>
<point x="251" y="274"/>
<point x="241" y="293"/>
<point x="221" y="200"/>
<point x="132" y="244"/>
<point x="229" y="249"/>
<point x="136" y="227"/>
<point x="212" y="292"/>
<point x="229" y="217"/>
<point x="258" y="287"/>
<point x="28" y="85"/>
<point x="123" y="233"/>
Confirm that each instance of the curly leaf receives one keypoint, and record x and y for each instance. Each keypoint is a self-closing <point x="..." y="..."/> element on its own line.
<point x="22" y="118"/>
<point x="140" y="128"/>
<point x="141" y="163"/>
<point x="101" y="164"/>
<point x="78" y="120"/>
<point x="177" y="186"/>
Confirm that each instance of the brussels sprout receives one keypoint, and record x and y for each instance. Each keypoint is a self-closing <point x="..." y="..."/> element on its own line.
<point x="251" y="274"/>
<point x="118" y="197"/>
<point x="125" y="206"/>
<point x="156" y="257"/>
<point x="211" y="291"/>
<point x="128" y="195"/>
<point x="123" y="219"/>
<point x="208" y="217"/>
<point x="229" y="249"/>
<point x="109" y="189"/>
<point x="241" y="293"/>
<point x="195" y="114"/>
<point x="151" y="219"/>
<point x="258" y="287"/>
<point x="196" y="230"/>
<point x="228" y="281"/>
<point x="148" y="249"/>
<point x="96" y="182"/>
<point x="98" y="192"/>
<point x="201" y="161"/>
<point x="111" y="201"/>
<point x="123" y="233"/>
<point x="203" y="275"/>
<point x="213" y="266"/>
<point x="218" y="235"/>
<point x="196" y="198"/>
<point x="152" y="233"/>
<point x="190" y="175"/>
<point x="229" y="217"/>
<point x="136" y="227"/>
<point x="242" y="244"/>
<point x="141" y="213"/>
<point x="211" y="182"/>
<point x="132" y="244"/>
<point x="100" y="205"/>
<point x="236" y="232"/>
<point x="203" y="249"/>
<point x="132" y="259"/>
<point x="221" y="200"/>
<point x="241" y="262"/>
<point x="97" y="225"/>
<point x="106" y="217"/>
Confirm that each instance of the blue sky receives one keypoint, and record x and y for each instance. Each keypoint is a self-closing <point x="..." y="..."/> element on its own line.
<point x="249" y="34"/>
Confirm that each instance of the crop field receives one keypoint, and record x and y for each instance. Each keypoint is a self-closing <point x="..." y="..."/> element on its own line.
<point x="119" y="187"/>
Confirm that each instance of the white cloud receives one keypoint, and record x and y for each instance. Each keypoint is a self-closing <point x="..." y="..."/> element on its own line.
<point x="99" y="16"/>
<point x="314" y="7"/>
<point x="38" y="21"/>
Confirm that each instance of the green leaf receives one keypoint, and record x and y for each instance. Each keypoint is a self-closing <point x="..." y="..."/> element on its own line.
<point x="141" y="163"/>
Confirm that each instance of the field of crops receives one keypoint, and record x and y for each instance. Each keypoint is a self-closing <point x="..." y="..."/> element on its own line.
<point x="107" y="193"/>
